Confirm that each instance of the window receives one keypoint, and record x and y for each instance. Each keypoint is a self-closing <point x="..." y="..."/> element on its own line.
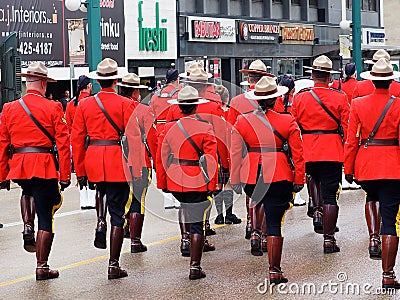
<point x="295" y="2"/>
<point x="276" y="1"/>
<point x="369" y="5"/>
<point x="349" y="4"/>
<point x="314" y="3"/>
<point x="257" y="8"/>
<point x="212" y="7"/>
<point x="236" y="7"/>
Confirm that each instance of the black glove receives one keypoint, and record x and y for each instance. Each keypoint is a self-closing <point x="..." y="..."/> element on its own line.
<point x="5" y="185"/>
<point x="297" y="188"/>
<point x="64" y="184"/>
<point x="349" y="178"/>
<point x="82" y="181"/>
<point x="237" y="188"/>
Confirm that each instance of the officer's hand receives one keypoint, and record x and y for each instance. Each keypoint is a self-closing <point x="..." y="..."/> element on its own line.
<point x="297" y="188"/>
<point x="349" y="178"/>
<point x="64" y="184"/>
<point x="237" y="188"/>
<point x="82" y="181"/>
<point x="5" y="185"/>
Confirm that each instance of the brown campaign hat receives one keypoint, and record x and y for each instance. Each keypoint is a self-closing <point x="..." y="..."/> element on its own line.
<point x="106" y="69"/>
<point x="381" y="70"/>
<point x="37" y="69"/>
<point x="188" y="95"/>
<point x="378" y="55"/>
<point x="257" y="67"/>
<point x="193" y="66"/>
<point x="198" y="76"/>
<point x="266" y="88"/>
<point x="131" y="80"/>
<point x="322" y="64"/>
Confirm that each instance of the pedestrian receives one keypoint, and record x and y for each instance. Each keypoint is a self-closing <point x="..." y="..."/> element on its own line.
<point x="65" y="99"/>
<point x="98" y="136"/>
<point x="260" y="160"/>
<point x="372" y="157"/>
<point x="130" y="87"/>
<point x="159" y="107"/>
<point x="366" y="87"/>
<point x="187" y="167"/>
<point x="31" y="131"/>
<point x="349" y="81"/>
<point x="322" y="114"/>
<point x="255" y="226"/>
<point x="87" y="194"/>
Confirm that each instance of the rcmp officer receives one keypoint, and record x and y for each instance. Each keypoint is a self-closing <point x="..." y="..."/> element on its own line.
<point x="31" y="131"/>
<point x="241" y="105"/>
<point x="373" y="158"/>
<point x="130" y="88"/>
<point x="322" y="115"/>
<point x="183" y="147"/>
<point x="366" y="87"/>
<point x="100" y="121"/>
<point x="159" y="107"/>
<point x="349" y="83"/>
<point x="259" y="142"/>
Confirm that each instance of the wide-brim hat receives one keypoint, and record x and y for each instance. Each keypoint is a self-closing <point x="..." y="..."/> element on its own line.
<point x="198" y="76"/>
<point x="302" y="84"/>
<point x="188" y="96"/>
<point x="381" y="70"/>
<point x="381" y="53"/>
<point x="191" y="68"/>
<point x="257" y="67"/>
<point x="37" y="69"/>
<point x="131" y="80"/>
<point x="106" y="69"/>
<point x="266" y="88"/>
<point x="322" y="64"/>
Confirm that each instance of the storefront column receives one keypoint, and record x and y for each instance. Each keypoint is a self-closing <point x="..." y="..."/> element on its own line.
<point x="267" y="8"/>
<point x="304" y="10"/>
<point x="286" y="9"/>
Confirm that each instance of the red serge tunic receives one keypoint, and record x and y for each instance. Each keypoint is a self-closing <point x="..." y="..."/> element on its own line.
<point x="348" y="87"/>
<point x="183" y="178"/>
<point x="71" y="109"/>
<point x="239" y="105"/>
<point x="19" y="130"/>
<point x="104" y="163"/>
<point x="311" y="116"/>
<point x="366" y="87"/>
<point x="280" y="106"/>
<point x="250" y="130"/>
<point x="373" y="162"/>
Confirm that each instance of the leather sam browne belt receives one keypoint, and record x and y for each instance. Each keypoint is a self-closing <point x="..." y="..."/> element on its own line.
<point x="264" y="149"/>
<point x="32" y="150"/>
<point x="185" y="162"/>
<point x="379" y="142"/>
<point x="335" y="131"/>
<point x="104" y="143"/>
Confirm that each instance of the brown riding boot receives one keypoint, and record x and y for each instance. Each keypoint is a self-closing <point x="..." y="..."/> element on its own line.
<point x="264" y="234"/>
<point x="317" y="203"/>
<point x="116" y="239"/>
<point x="136" y="225"/>
<point x="275" y="244"/>
<point x="390" y="244"/>
<point x="185" y="229"/>
<point x="310" y="186"/>
<point x="100" y="240"/>
<point x="373" y="218"/>
<point x="43" y="246"/>
<point x="249" y="216"/>
<point x="196" y="249"/>
<point x="257" y="220"/>
<point x="208" y="246"/>
<point x="127" y="227"/>
<point x="28" y="217"/>
<point x="330" y="213"/>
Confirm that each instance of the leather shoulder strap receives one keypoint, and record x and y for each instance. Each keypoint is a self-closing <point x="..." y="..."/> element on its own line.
<point x="324" y="107"/>
<point x="268" y="124"/>
<point x="190" y="140"/>
<point x="100" y="104"/>
<point x="25" y="107"/>
<point x="381" y="117"/>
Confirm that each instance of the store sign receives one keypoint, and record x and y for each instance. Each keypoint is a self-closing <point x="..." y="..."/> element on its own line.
<point x="373" y="37"/>
<point x="297" y="34"/>
<point x="258" y="32"/>
<point x="150" y="29"/>
<point x="211" y="30"/>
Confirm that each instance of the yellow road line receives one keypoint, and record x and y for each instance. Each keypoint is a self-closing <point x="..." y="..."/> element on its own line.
<point x="96" y="259"/>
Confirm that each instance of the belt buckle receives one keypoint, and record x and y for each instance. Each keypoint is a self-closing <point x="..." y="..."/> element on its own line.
<point x="366" y="144"/>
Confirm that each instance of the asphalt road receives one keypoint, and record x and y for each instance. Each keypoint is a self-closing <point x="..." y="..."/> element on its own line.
<point x="161" y="273"/>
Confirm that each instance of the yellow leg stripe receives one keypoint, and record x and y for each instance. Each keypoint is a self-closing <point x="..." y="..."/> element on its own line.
<point x="144" y="192"/>
<point x="209" y="198"/>
<point x="55" y="208"/>
<point x="338" y="192"/>
<point x="284" y="215"/>
<point x="365" y="198"/>
<point x="128" y="203"/>
<point x="398" y="222"/>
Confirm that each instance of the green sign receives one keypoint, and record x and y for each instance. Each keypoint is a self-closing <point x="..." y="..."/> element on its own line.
<point x="152" y="39"/>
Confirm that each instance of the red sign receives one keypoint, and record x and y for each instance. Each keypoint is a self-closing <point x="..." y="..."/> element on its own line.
<point x="206" y="29"/>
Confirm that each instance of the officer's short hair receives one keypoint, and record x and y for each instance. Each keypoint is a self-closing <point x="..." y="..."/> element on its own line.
<point x="106" y="83"/>
<point x="320" y="75"/>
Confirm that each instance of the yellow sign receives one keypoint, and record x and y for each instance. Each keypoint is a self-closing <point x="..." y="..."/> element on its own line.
<point x="297" y="34"/>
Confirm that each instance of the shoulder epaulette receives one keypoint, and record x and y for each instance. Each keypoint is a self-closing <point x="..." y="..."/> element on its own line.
<point x="337" y="90"/>
<point x="304" y="90"/>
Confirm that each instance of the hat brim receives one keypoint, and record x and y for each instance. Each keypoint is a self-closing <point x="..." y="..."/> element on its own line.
<point x="199" y="82"/>
<point x="93" y="75"/>
<point x="245" y="83"/>
<point x="140" y="86"/>
<point x="367" y="75"/>
<point x="185" y="76"/>
<point x="37" y="76"/>
<point x="302" y="84"/>
<point x="310" y="69"/>
<point x="371" y="62"/>
<point x="199" y="101"/>
<point x="281" y="91"/>
<point x="247" y="71"/>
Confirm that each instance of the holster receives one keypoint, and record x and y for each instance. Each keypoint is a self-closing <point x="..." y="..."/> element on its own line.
<point x="170" y="158"/>
<point x="87" y="142"/>
<point x="288" y="153"/>
<point x="203" y="167"/>
<point x="55" y="156"/>
<point x="11" y="151"/>
<point x="125" y="146"/>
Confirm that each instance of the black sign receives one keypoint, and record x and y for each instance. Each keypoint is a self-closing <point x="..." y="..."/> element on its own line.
<point x="258" y="32"/>
<point x="42" y="29"/>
